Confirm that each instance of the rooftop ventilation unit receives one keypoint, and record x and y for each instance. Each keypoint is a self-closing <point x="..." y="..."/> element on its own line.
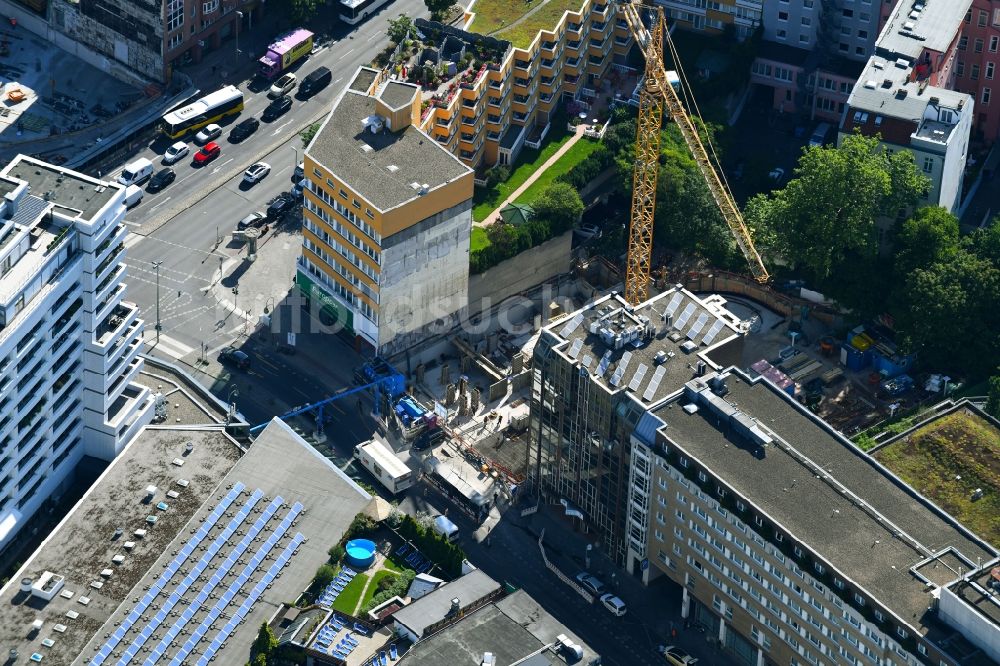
<point x="870" y="84"/>
<point x="903" y="63"/>
<point x="365" y="148"/>
<point x="392" y="168"/>
<point x="909" y="25"/>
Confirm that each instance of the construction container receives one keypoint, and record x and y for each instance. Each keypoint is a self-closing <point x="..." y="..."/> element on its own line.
<point x="764" y="369"/>
<point x="853" y="358"/>
<point x="891" y="365"/>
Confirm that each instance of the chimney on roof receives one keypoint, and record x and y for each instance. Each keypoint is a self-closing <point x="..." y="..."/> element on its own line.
<point x="456" y="606"/>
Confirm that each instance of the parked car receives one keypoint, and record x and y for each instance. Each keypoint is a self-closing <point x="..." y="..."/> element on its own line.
<point x="299" y="172"/>
<point x="161" y="179"/>
<point x="175" y="152"/>
<point x="428" y="438"/>
<point x="818" y="137"/>
<point x="136" y="173"/>
<point x="244" y="129"/>
<point x="256" y="173"/>
<point x="253" y="220"/>
<point x="590" y="582"/>
<point x="279" y="205"/>
<point x="133" y="195"/>
<point x="209" y="133"/>
<point x="234" y="357"/>
<point x="677" y="656"/>
<point x="207" y="153"/>
<point x="276" y="108"/>
<point x="615" y="605"/>
<point x="588" y="231"/>
<point x="282" y="86"/>
<point x="315" y="81"/>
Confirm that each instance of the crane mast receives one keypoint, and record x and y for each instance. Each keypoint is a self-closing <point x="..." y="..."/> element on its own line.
<point x="657" y="92"/>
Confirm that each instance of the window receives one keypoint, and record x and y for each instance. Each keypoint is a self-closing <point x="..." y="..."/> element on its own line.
<point x="963" y="42"/>
<point x="959" y="69"/>
<point x="683" y="462"/>
<point x="978" y="45"/>
<point x="175" y="14"/>
<point x="974" y="74"/>
<point x="860" y="600"/>
<point x="989" y="71"/>
<point x="702" y="477"/>
<point x="806" y="21"/>
<point x="782" y="34"/>
<point x="902" y="633"/>
<point x="859" y="50"/>
<point x="983" y="17"/>
<point x="862" y="34"/>
<point x="879" y="616"/>
<point x="986" y="95"/>
<point x="741" y="506"/>
<point x="928" y="164"/>
<point x="209" y="6"/>
<point x="994" y="42"/>
<point x="996" y="17"/>
<point x="175" y="41"/>
<point x="848" y="13"/>
<point x="782" y="16"/>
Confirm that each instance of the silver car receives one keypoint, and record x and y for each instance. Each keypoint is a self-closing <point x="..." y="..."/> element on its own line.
<point x="175" y="152"/>
<point x="256" y="172"/>
<point x="210" y="133"/>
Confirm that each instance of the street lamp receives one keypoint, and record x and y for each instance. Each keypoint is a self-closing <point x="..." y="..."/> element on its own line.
<point x="239" y="19"/>
<point x="156" y="265"/>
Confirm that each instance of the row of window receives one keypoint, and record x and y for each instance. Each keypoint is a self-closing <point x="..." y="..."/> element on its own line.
<point x="346" y="233"/>
<point x="368" y="229"/>
<point x="341" y="291"/>
<point x="977" y="45"/>
<point x="341" y="249"/>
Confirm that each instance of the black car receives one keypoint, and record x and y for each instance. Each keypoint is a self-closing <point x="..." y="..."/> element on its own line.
<point x="253" y="220"/>
<point x="428" y="438"/>
<point x="243" y="130"/>
<point x="235" y="358"/>
<point x="162" y="178"/>
<point x="280" y="205"/>
<point x="276" y="108"/>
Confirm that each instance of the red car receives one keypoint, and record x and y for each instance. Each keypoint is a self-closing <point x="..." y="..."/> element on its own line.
<point x="207" y="153"/>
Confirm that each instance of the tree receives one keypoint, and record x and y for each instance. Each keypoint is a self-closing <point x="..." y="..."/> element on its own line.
<point x="560" y="205"/>
<point x="324" y="576"/>
<point x="308" y="133"/>
<point x="264" y="645"/>
<point x="827" y="212"/>
<point x="399" y="27"/>
<point x="438" y="8"/>
<point x="993" y="398"/>
<point x="302" y="10"/>
<point x="929" y="237"/>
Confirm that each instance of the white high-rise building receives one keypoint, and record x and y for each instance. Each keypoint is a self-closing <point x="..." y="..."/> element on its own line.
<point x="69" y="344"/>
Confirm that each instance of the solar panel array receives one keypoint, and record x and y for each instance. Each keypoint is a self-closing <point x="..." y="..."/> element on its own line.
<point x="605" y="362"/>
<point x="675" y="302"/>
<point x="688" y="311"/>
<point x="571" y="326"/>
<point x="587" y="360"/>
<point x="713" y="332"/>
<point x="575" y="348"/>
<point x="220" y="571"/>
<point x="620" y="370"/>
<point x="698" y="325"/>
<point x="637" y="379"/>
<point x="654" y="383"/>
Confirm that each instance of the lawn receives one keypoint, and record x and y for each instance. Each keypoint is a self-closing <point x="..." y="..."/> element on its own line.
<point x="493" y="15"/>
<point x="347" y="601"/>
<point x="373" y="588"/>
<point x="528" y="162"/>
<point x="479" y="239"/>
<point x="576" y="154"/>
<point x="958" y="444"/>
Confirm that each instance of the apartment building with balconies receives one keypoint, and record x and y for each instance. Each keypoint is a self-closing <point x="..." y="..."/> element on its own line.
<point x="715" y="16"/>
<point x="791" y="546"/>
<point x="387" y="216"/>
<point x="516" y="85"/>
<point x="69" y="342"/>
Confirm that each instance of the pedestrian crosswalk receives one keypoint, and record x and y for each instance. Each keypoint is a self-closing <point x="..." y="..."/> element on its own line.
<point x="169" y="346"/>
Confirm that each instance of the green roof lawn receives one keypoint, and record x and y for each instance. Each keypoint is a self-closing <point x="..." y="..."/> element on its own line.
<point x="578" y="152"/>
<point x="496" y="16"/>
<point x="958" y="444"/>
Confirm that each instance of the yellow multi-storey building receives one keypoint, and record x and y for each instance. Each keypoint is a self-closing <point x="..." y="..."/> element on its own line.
<point x="486" y="119"/>
<point x="387" y="215"/>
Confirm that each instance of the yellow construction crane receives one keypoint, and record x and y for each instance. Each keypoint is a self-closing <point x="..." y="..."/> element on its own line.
<point x="657" y="91"/>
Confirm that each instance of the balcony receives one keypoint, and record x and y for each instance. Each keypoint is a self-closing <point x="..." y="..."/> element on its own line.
<point x="574" y="27"/>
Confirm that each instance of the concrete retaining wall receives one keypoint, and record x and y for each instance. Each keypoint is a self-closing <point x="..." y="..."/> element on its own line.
<point x="520" y="273"/>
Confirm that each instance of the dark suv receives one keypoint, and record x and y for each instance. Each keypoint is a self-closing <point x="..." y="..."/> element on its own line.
<point x="243" y="130"/>
<point x="234" y="357"/>
<point x="280" y="205"/>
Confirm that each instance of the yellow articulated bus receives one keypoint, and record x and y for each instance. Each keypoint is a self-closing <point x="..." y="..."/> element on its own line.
<point x="209" y="109"/>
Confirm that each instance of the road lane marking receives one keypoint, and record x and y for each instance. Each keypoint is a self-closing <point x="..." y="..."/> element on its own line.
<point x="132" y="239"/>
<point x="344" y="55"/>
<point x="280" y="127"/>
<point x="373" y="37"/>
<point x="170" y="346"/>
<point x="160" y="204"/>
<point x="216" y="169"/>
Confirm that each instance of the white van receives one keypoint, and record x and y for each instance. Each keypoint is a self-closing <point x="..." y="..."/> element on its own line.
<point x="445" y="528"/>
<point x="137" y="172"/>
<point x="819" y="135"/>
<point x="615" y="605"/>
<point x="133" y="195"/>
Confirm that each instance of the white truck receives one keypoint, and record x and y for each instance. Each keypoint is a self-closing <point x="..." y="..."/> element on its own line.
<point x="377" y="457"/>
<point x="446" y="528"/>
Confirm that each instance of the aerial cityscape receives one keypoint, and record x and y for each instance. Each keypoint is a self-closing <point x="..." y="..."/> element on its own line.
<point x="499" y="333"/>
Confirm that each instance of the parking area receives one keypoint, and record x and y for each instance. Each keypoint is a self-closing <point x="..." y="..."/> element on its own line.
<point x="47" y="91"/>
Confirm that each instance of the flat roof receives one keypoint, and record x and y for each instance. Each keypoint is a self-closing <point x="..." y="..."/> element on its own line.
<point x="884" y="88"/>
<point x="383" y="454"/>
<point x="67" y="188"/>
<point x="396" y="94"/>
<point x="587" y="339"/>
<point x="84" y="543"/>
<point x="363" y="80"/>
<point x="511" y="628"/>
<point x="868" y="526"/>
<point x="202" y="543"/>
<point x="381" y="167"/>
<point x="934" y="27"/>
<point x="435" y="606"/>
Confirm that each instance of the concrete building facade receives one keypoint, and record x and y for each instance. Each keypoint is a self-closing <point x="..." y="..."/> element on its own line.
<point x="140" y="41"/>
<point x="906" y="95"/>
<point x="387" y="219"/>
<point x="69" y="342"/>
<point x="789" y="544"/>
<point x="715" y="17"/>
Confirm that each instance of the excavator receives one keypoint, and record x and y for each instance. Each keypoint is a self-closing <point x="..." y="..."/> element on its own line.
<point x="656" y="94"/>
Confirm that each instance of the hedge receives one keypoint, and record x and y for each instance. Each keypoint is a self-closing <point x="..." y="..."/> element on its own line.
<point x="397" y="589"/>
<point x="433" y="546"/>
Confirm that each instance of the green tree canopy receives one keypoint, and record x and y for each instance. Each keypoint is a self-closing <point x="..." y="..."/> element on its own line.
<point x="993" y="399"/>
<point x="264" y="645"/>
<point x="399" y="27"/>
<point x="560" y="205"/>
<point x="308" y="133"/>
<point x="438" y="8"/>
<point x="827" y="211"/>
<point x="929" y="237"/>
<point x="324" y="576"/>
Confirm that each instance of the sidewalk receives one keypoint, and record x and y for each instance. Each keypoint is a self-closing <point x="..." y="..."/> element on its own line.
<point x="495" y="215"/>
